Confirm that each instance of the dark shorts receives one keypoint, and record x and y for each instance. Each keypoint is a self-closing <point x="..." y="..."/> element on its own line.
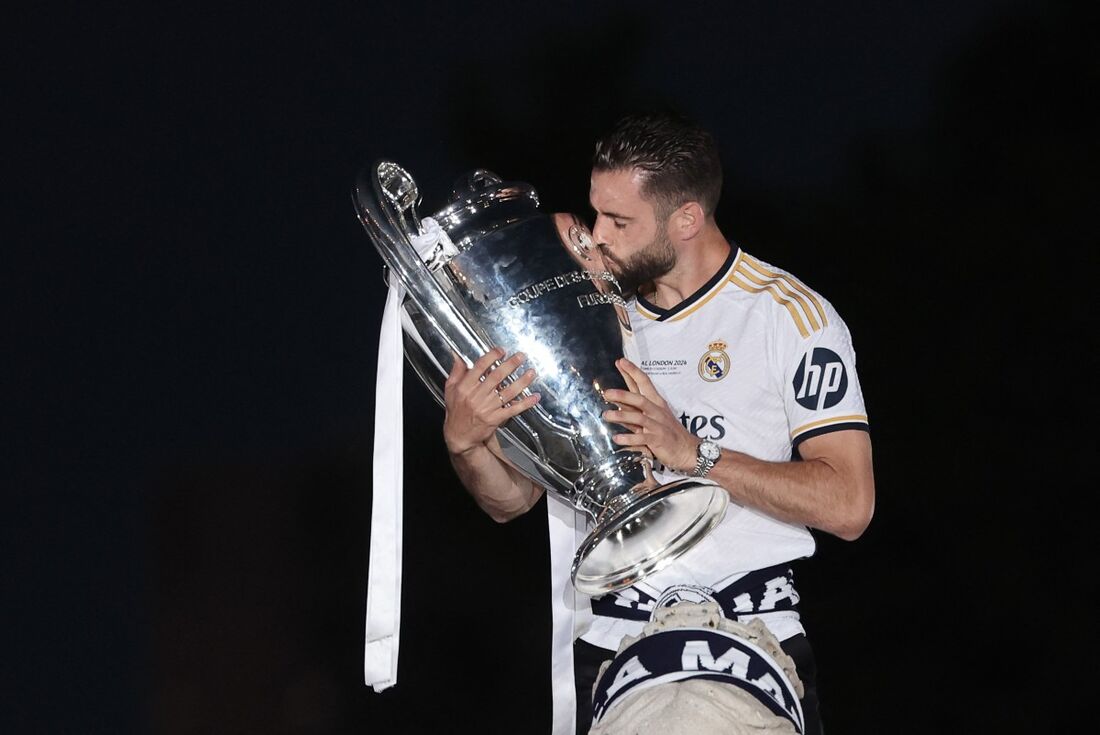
<point x="587" y="660"/>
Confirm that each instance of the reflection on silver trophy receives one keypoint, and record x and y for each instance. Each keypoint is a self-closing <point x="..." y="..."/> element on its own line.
<point x="507" y="274"/>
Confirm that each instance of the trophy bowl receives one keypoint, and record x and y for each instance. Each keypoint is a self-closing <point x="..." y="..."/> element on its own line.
<point x="507" y="274"/>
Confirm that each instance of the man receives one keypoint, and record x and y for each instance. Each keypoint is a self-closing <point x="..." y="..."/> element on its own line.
<point x="738" y="372"/>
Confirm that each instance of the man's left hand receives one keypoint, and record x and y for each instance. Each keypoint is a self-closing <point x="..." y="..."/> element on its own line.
<point x="652" y="424"/>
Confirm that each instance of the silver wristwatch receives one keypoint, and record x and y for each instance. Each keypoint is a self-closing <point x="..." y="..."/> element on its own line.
<point x="707" y="455"/>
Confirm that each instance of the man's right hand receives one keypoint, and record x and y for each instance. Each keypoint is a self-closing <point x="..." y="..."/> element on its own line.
<point x="476" y="403"/>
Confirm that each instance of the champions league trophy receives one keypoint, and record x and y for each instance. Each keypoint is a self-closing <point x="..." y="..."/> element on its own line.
<point x="500" y="272"/>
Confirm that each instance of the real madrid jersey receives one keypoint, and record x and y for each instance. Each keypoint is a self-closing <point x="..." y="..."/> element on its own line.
<point x="758" y="362"/>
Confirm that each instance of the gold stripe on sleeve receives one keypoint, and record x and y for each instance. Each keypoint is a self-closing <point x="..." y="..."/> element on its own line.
<point x="774" y="293"/>
<point x="794" y="283"/>
<point x="746" y="273"/>
<point x="857" y="418"/>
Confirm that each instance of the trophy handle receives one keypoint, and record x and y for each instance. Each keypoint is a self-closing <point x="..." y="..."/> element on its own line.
<point x="391" y="219"/>
<point x="385" y="198"/>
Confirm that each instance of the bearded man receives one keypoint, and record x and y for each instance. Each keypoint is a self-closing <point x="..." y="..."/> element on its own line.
<point x="738" y="372"/>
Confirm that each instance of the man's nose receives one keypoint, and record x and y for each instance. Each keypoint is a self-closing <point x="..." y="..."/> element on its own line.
<point x="599" y="231"/>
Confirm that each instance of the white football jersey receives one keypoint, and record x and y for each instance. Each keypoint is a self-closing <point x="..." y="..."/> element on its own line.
<point x="757" y="362"/>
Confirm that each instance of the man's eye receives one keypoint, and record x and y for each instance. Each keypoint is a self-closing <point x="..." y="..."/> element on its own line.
<point x="620" y="225"/>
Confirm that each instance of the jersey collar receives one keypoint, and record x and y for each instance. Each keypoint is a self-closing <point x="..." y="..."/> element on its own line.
<point x="651" y="311"/>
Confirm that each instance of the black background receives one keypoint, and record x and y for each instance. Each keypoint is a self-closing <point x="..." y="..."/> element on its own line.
<point x="192" y="315"/>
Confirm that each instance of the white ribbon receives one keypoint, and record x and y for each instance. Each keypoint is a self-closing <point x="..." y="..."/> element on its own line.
<point x="571" y="612"/>
<point x="384" y="576"/>
<point x="560" y="520"/>
<point x="383" y="623"/>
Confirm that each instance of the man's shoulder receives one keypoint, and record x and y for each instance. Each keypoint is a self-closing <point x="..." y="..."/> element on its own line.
<point x="790" y="303"/>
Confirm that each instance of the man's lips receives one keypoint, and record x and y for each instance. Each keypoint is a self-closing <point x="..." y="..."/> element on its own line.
<point x="606" y="253"/>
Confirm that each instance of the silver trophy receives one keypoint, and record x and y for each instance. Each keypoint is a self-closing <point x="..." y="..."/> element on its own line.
<point x="528" y="281"/>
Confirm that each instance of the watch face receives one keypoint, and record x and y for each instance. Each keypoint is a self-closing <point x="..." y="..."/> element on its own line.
<point x="710" y="451"/>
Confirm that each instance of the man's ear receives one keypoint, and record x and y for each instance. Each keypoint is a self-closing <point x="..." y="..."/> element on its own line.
<point x="688" y="220"/>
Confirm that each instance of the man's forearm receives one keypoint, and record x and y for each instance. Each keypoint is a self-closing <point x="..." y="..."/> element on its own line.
<point x="832" y="492"/>
<point x="497" y="487"/>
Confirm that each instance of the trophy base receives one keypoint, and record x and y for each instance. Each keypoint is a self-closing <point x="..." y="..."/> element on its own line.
<point x="647" y="535"/>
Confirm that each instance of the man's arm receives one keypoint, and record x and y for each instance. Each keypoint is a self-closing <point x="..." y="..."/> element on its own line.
<point x="476" y="407"/>
<point x="832" y="489"/>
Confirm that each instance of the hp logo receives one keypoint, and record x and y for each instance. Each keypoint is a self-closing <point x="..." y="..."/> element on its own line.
<point x="821" y="380"/>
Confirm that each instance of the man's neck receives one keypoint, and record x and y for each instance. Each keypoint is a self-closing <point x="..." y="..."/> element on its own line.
<point x="695" y="265"/>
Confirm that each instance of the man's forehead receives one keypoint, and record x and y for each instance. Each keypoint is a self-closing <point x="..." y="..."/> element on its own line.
<point x="617" y="185"/>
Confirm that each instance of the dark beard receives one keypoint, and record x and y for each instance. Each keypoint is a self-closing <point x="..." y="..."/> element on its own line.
<point x="644" y="267"/>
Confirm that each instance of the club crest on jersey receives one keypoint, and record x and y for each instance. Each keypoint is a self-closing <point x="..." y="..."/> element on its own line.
<point x="715" y="364"/>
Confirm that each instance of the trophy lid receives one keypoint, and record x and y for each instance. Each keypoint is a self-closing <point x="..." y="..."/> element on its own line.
<point x="482" y="202"/>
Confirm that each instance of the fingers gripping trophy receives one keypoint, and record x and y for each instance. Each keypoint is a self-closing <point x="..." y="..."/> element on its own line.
<point x="489" y="268"/>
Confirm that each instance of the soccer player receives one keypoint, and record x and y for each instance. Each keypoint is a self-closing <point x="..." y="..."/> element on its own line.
<point x="738" y="372"/>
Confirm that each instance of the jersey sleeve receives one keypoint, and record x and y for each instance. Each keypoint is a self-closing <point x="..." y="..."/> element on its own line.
<point x="821" y="391"/>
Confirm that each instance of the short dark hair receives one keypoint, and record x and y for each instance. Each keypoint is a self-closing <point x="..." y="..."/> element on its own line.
<point x="679" y="157"/>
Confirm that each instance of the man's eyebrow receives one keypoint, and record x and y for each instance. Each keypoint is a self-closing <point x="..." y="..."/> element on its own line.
<point x="614" y="215"/>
